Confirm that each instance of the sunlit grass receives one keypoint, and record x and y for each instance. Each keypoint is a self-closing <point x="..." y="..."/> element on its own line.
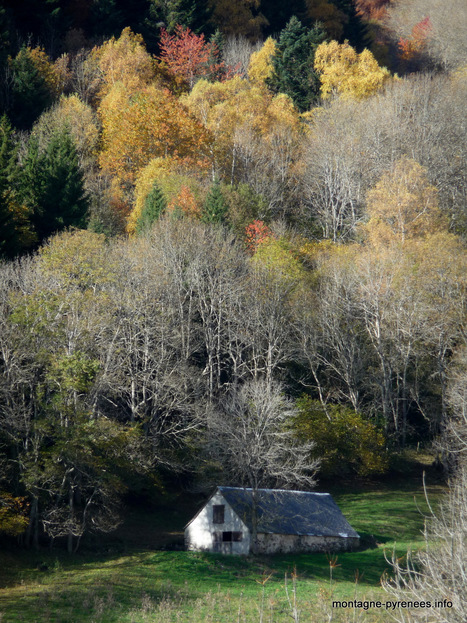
<point x="159" y="586"/>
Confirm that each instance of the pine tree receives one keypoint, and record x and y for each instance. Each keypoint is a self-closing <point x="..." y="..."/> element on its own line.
<point x="294" y="74"/>
<point x="278" y="13"/>
<point x="30" y="93"/>
<point x="52" y="185"/>
<point x="154" y="206"/>
<point x="214" y="208"/>
<point x="193" y="14"/>
<point x="355" y="30"/>
<point x="8" y="238"/>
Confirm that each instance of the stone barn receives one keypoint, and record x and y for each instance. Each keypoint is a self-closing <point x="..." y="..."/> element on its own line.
<point x="287" y="521"/>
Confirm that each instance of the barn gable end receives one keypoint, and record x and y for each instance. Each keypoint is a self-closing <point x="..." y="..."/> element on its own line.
<point x="217" y="528"/>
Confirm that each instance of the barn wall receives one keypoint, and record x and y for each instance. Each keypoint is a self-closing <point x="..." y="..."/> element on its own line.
<point x="288" y="543"/>
<point x="199" y="534"/>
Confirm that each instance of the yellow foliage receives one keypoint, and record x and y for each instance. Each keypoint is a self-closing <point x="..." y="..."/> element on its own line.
<point x="171" y="181"/>
<point x="348" y="74"/>
<point x="124" y="60"/>
<point x="82" y="123"/>
<point x="237" y="112"/>
<point x="403" y="205"/>
<point x="78" y="118"/>
<point x="74" y="257"/>
<point x="280" y="112"/>
<point x="144" y="125"/>
<point x="53" y="73"/>
<point x="260" y="67"/>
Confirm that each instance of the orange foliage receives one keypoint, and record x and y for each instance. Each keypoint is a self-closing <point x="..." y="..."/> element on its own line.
<point x="147" y="124"/>
<point x="256" y="234"/>
<point x="185" y="202"/>
<point x="409" y="48"/>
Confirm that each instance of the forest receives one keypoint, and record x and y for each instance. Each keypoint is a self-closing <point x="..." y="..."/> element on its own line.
<point x="233" y="251"/>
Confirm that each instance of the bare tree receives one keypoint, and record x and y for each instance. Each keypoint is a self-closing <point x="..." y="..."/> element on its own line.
<point x="446" y="42"/>
<point x="335" y="172"/>
<point x="439" y="572"/>
<point x="250" y="436"/>
<point x="237" y="52"/>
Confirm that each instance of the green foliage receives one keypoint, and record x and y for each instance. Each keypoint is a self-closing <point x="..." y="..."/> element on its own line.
<point x="293" y="62"/>
<point x="52" y="185"/>
<point x="345" y="441"/>
<point x="193" y="14"/>
<point x="73" y="373"/>
<point x="10" y="212"/>
<point x="30" y="92"/>
<point x="153" y="208"/>
<point x="278" y="13"/>
<point x="215" y="207"/>
<point x="355" y="31"/>
<point x="196" y="587"/>
<point x="279" y="256"/>
<point x="244" y="206"/>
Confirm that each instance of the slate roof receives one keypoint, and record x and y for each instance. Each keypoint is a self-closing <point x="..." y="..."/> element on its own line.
<point x="290" y="512"/>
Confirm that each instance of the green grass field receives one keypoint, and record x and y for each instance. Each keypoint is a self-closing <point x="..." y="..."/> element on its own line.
<point x="128" y="581"/>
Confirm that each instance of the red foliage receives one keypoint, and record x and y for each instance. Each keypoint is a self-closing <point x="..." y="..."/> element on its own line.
<point x="188" y="55"/>
<point x="256" y="233"/>
<point x="408" y="48"/>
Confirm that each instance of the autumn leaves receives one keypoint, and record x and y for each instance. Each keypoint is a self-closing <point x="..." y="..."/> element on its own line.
<point x="189" y="115"/>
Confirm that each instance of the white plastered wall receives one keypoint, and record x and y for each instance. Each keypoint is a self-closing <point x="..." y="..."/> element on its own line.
<point x="199" y="534"/>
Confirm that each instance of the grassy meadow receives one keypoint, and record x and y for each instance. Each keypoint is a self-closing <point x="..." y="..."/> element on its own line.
<point x="138" y="575"/>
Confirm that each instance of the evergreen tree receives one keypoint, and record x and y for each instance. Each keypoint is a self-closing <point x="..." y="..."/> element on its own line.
<point x="30" y="93"/>
<point x="52" y="185"/>
<point x="193" y="14"/>
<point x="107" y="18"/>
<point x="8" y="234"/>
<point x="278" y="13"/>
<point x="154" y="206"/>
<point x="293" y="62"/>
<point x="355" y="30"/>
<point x="215" y="207"/>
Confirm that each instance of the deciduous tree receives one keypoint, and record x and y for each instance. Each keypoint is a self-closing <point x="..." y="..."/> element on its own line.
<point x="344" y="441"/>
<point x="249" y="435"/>
<point x="190" y="56"/>
<point x="144" y="125"/>
<point x="242" y="17"/>
<point x="403" y="205"/>
<point x="260" y="68"/>
<point x="344" y="72"/>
